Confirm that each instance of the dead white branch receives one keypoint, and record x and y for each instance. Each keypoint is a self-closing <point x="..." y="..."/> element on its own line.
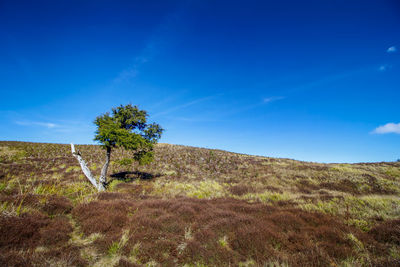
<point x="99" y="185"/>
<point x="103" y="175"/>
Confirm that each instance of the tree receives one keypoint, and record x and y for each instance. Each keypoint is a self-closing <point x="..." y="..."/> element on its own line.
<point x="126" y="127"/>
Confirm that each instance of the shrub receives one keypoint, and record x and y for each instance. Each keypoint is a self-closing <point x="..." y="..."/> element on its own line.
<point x="387" y="232"/>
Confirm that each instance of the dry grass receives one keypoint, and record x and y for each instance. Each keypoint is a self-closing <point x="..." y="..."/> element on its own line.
<point x="195" y="207"/>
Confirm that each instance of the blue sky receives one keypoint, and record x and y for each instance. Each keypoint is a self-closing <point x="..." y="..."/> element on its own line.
<point x="309" y="80"/>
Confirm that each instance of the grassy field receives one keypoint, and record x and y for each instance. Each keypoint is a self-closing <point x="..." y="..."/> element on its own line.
<point x="194" y="207"/>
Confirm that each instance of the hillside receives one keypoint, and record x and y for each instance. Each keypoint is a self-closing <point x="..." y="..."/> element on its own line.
<point x="195" y="207"/>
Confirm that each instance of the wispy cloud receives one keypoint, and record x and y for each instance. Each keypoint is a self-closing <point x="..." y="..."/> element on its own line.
<point x="48" y="125"/>
<point x="195" y="119"/>
<point x="159" y="39"/>
<point x="384" y="67"/>
<point x="132" y="71"/>
<point x="391" y="49"/>
<point x="184" y="105"/>
<point x="244" y="108"/>
<point x="272" y="99"/>
<point x="330" y="79"/>
<point x="388" y="128"/>
<point x="60" y="126"/>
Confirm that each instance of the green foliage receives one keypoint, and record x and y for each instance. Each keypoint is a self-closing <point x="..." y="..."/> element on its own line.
<point x="113" y="184"/>
<point x="223" y="241"/>
<point x="19" y="207"/>
<point x="125" y="162"/>
<point x="114" y="248"/>
<point x="127" y="127"/>
<point x="3" y="185"/>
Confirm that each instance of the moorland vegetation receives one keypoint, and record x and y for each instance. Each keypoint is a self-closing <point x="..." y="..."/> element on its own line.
<point x="194" y="207"/>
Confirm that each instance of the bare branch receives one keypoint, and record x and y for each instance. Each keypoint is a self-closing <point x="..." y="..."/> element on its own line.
<point x="86" y="170"/>
<point x="103" y="175"/>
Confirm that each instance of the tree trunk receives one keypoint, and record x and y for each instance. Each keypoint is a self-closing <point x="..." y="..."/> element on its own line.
<point x="86" y="170"/>
<point x="103" y="175"/>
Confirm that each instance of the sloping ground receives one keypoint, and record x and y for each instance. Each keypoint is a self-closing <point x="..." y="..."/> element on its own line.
<point x="195" y="207"/>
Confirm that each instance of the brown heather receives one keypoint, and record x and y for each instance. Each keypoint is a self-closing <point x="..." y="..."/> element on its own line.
<point x="195" y="207"/>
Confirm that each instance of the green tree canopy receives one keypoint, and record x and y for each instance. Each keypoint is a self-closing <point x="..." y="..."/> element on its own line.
<point x="127" y="127"/>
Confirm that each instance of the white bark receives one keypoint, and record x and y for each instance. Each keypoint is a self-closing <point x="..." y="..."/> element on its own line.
<point x="103" y="175"/>
<point x="99" y="185"/>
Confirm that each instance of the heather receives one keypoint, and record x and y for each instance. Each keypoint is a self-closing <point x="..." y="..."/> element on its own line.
<point x="194" y="207"/>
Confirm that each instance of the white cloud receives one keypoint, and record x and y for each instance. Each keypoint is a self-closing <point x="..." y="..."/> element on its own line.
<point x="159" y="40"/>
<point x="184" y="105"/>
<point x="271" y="99"/>
<point x="382" y="68"/>
<point x="330" y="79"/>
<point x="391" y="49"/>
<point x="388" y="128"/>
<point x="35" y="123"/>
<point x="49" y="125"/>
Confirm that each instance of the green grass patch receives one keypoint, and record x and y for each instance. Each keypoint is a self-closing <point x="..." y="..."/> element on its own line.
<point x="3" y="186"/>
<point x="267" y="196"/>
<point x="116" y="246"/>
<point x="361" y="212"/>
<point x="393" y="171"/>
<point x="47" y="189"/>
<point x="112" y="185"/>
<point x="73" y="169"/>
<point x="204" y="189"/>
